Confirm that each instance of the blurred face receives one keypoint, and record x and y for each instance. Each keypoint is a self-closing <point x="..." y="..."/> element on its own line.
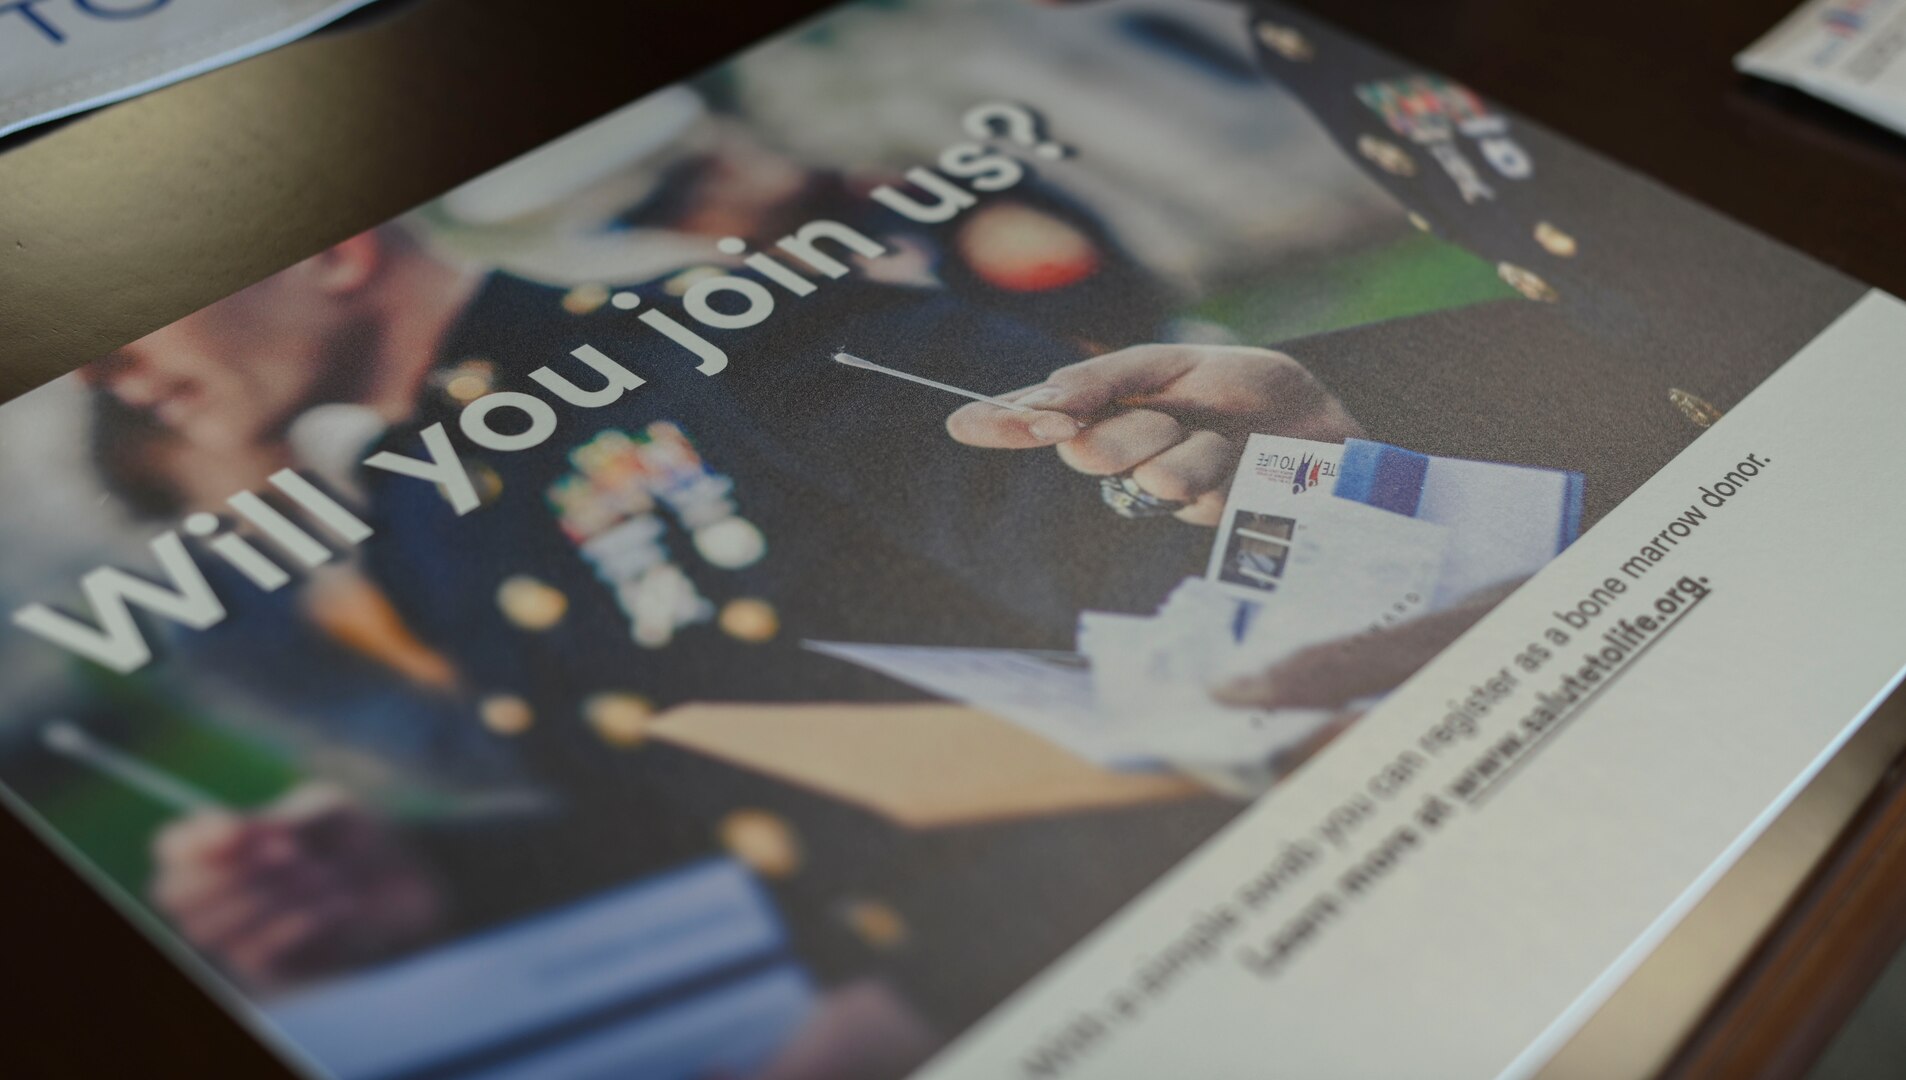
<point x="236" y="373"/>
<point x="741" y="188"/>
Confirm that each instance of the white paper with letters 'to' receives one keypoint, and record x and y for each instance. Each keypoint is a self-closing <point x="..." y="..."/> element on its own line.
<point x="58" y="57"/>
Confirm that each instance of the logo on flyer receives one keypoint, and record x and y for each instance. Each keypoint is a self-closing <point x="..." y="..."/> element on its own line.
<point x="1307" y="469"/>
<point x="1301" y="472"/>
<point x="1848" y="19"/>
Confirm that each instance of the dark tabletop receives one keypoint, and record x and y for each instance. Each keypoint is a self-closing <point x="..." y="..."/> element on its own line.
<point x="118" y="222"/>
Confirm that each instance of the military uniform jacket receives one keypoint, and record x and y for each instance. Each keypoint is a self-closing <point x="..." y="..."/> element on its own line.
<point x="1641" y="316"/>
<point x="877" y="528"/>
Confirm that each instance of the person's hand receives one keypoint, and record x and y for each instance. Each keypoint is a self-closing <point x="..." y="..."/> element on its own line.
<point x="310" y="885"/>
<point x="1175" y="417"/>
<point x="1336" y="673"/>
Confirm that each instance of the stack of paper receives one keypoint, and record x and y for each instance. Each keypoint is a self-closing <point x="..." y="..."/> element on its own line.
<point x="1319" y="543"/>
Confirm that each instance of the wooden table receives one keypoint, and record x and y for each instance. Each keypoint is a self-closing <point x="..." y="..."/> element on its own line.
<point x="119" y="222"/>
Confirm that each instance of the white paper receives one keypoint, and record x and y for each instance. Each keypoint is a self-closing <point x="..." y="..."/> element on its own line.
<point x="59" y="57"/>
<point x="1353" y="569"/>
<point x="1047" y="693"/>
<point x="1850" y="54"/>
<point x="1141" y="701"/>
<point x="1505" y="521"/>
<point x="1153" y="679"/>
<point x="1276" y="475"/>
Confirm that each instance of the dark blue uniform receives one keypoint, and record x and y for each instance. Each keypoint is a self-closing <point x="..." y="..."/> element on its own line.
<point x="1642" y="317"/>
<point x="878" y="528"/>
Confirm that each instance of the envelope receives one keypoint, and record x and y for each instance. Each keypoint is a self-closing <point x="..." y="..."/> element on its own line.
<point x="921" y="765"/>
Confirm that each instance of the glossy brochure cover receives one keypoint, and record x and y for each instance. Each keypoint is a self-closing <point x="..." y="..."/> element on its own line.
<point x="985" y="537"/>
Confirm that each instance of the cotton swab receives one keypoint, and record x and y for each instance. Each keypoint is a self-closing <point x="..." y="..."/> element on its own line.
<point x="868" y="365"/>
<point x="71" y="741"/>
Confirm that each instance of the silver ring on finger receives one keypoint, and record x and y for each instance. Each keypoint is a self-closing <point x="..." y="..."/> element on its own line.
<point x="1128" y="500"/>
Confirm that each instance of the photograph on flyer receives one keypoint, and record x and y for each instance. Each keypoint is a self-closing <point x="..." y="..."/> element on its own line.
<point x="740" y="590"/>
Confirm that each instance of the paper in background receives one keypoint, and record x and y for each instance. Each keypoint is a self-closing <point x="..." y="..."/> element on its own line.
<point x="59" y="57"/>
<point x="1851" y="53"/>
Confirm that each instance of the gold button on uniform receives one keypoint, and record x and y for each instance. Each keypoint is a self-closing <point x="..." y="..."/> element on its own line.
<point x="763" y="841"/>
<point x="488" y="483"/>
<point x="1286" y="41"/>
<point x="1526" y="282"/>
<point x="531" y="604"/>
<point x="1386" y="155"/>
<point x="749" y="620"/>
<point x="1555" y="241"/>
<point x="506" y="714"/>
<point x="875" y="922"/>
<point x="585" y="299"/>
<point x="621" y="719"/>
<point x="467" y="381"/>
<point x="688" y="279"/>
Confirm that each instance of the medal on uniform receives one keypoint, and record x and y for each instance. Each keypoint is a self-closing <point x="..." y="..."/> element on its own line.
<point x="612" y="505"/>
<point x="1430" y="111"/>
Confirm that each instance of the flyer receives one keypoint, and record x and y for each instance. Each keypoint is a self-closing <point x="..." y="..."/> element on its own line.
<point x="1847" y="53"/>
<point x="976" y="539"/>
<point x="59" y="57"/>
